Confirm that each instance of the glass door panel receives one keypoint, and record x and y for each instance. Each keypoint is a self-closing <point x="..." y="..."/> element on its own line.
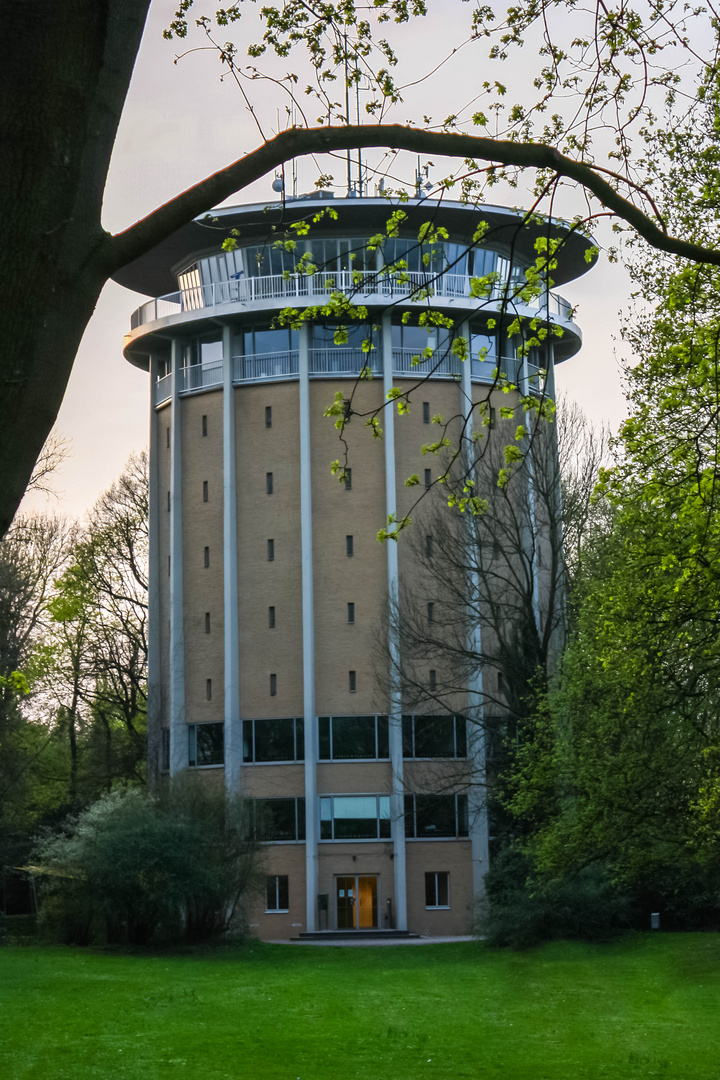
<point x="357" y="903"/>
<point x="367" y="903"/>
<point x="346" y="893"/>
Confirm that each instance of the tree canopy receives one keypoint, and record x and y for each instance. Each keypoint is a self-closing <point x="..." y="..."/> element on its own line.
<point x="610" y="88"/>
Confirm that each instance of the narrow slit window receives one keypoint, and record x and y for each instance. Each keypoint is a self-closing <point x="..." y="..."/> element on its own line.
<point x="429" y="546"/>
<point x="351" y="613"/>
<point x="207" y="622"/>
<point x="426" y="412"/>
<point x="352" y="681"/>
<point x="208" y="689"/>
<point x="168" y="566"/>
<point x="269" y="483"/>
<point x="492" y="417"/>
<point x="205" y="491"/>
<point x="348" y="479"/>
<point x="271" y="618"/>
<point x="428" y="478"/>
<point x="206" y="557"/>
<point x="204" y="425"/>
<point x="349" y="546"/>
<point x="273" y="685"/>
<point x="167" y="432"/>
<point x="431" y="611"/>
<point x="433" y="679"/>
<point x="168" y="501"/>
<point x="268" y="416"/>
<point x="271" y="550"/>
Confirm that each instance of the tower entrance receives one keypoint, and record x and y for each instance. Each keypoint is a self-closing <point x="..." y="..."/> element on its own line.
<point x="356" y="902"/>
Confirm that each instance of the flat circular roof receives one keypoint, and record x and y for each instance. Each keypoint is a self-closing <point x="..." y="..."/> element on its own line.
<point x="155" y="273"/>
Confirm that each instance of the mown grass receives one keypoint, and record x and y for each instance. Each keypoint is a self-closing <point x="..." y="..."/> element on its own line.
<point x="646" y="1006"/>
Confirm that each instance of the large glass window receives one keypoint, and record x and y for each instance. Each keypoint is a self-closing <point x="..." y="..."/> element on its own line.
<point x="278" y="819"/>
<point x="355" y="817"/>
<point x="262" y="339"/>
<point x="430" y="817"/>
<point x="434" y="737"/>
<point x="344" y="738"/>
<point x="273" y="740"/>
<point x="205" y="745"/>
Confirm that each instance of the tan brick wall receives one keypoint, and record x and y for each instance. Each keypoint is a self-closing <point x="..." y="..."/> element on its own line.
<point x="268" y="781"/>
<point x="262" y="584"/>
<point x="273" y="926"/>
<point x="347" y="778"/>
<point x="337" y="513"/>
<point x="202" y="526"/>
<point x="453" y="856"/>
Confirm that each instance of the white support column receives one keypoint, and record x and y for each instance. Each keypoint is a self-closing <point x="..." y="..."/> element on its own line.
<point x="397" y="799"/>
<point x="532" y="521"/>
<point x="154" y="691"/>
<point x="308" y="637"/>
<point x="477" y="795"/>
<point x="178" y="728"/>
<point x="233" y="730"/>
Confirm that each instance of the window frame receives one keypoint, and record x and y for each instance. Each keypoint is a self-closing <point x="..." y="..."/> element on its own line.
<point x="436" y="875"/>
<point x="328" y="737"/>
<point x="192" y="743"/>
<point x="333" y="839"/>
<point x="250" y="759"/>
<point x="278" y="909"/>
<point x="461" y="813"/>
<point x="459" y="737"/>
<point x="300" y="818"/>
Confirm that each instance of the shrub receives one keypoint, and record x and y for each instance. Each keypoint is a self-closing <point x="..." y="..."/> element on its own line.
<point x="138" y="868"/>
<point x="519" y="910"/>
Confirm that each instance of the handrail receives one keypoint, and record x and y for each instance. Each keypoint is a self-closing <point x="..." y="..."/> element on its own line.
<point x="413" y="285"/>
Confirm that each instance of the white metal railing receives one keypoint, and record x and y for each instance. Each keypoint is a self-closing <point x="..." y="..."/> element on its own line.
<point x="411" y="284"/>
<point x="163" y="389"/>
<point x="200" y="376"/>
<point x="340" y="361"/>
<point x="265" y="366"/>
<point x="437" y="365"/>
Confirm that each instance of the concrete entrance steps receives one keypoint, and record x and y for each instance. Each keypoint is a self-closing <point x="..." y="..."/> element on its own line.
<point x="354" y="935"/>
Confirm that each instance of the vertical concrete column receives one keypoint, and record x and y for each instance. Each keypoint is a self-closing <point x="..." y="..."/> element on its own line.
<point x="308" y="636"/>
<point x="154" y="691"/>
<point x="531" y="530"/>
<point x="477" y="795"/>
<point x="178" y="727"/>
<point x="397" y="798"/>
<point x="233" y="734"/>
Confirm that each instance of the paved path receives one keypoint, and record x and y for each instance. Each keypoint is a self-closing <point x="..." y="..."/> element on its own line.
<point x="365" y="942"/>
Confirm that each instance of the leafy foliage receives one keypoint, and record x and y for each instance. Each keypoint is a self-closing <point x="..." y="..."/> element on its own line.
<point x="137" y="867"/>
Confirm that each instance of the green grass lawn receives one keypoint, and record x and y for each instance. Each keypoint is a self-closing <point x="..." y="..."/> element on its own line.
<point x="647" y="1006"/>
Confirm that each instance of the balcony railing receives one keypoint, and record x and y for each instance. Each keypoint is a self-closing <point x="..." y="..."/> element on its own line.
<point x="339" y="361"/>
<point x="413" y="285"/>
<point x="437" y="365"/>
<point x="275" y="365"/>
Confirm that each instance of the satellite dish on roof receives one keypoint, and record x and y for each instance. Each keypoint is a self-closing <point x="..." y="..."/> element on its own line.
<point x="278" y="183"/>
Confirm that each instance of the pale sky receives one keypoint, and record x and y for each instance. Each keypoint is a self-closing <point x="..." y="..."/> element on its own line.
<point x="181" y="123"/>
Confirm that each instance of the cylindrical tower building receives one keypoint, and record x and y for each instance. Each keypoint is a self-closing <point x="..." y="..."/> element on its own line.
<point x="269" y="588"/>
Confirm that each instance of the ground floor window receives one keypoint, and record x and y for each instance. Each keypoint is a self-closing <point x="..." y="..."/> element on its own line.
<point x="276" y="892"/>
<point x="206" y="744"/>
<point x="437" y="889"/>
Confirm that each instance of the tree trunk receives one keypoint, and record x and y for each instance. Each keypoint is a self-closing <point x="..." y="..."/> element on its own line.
<point x="64" y="75"/>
